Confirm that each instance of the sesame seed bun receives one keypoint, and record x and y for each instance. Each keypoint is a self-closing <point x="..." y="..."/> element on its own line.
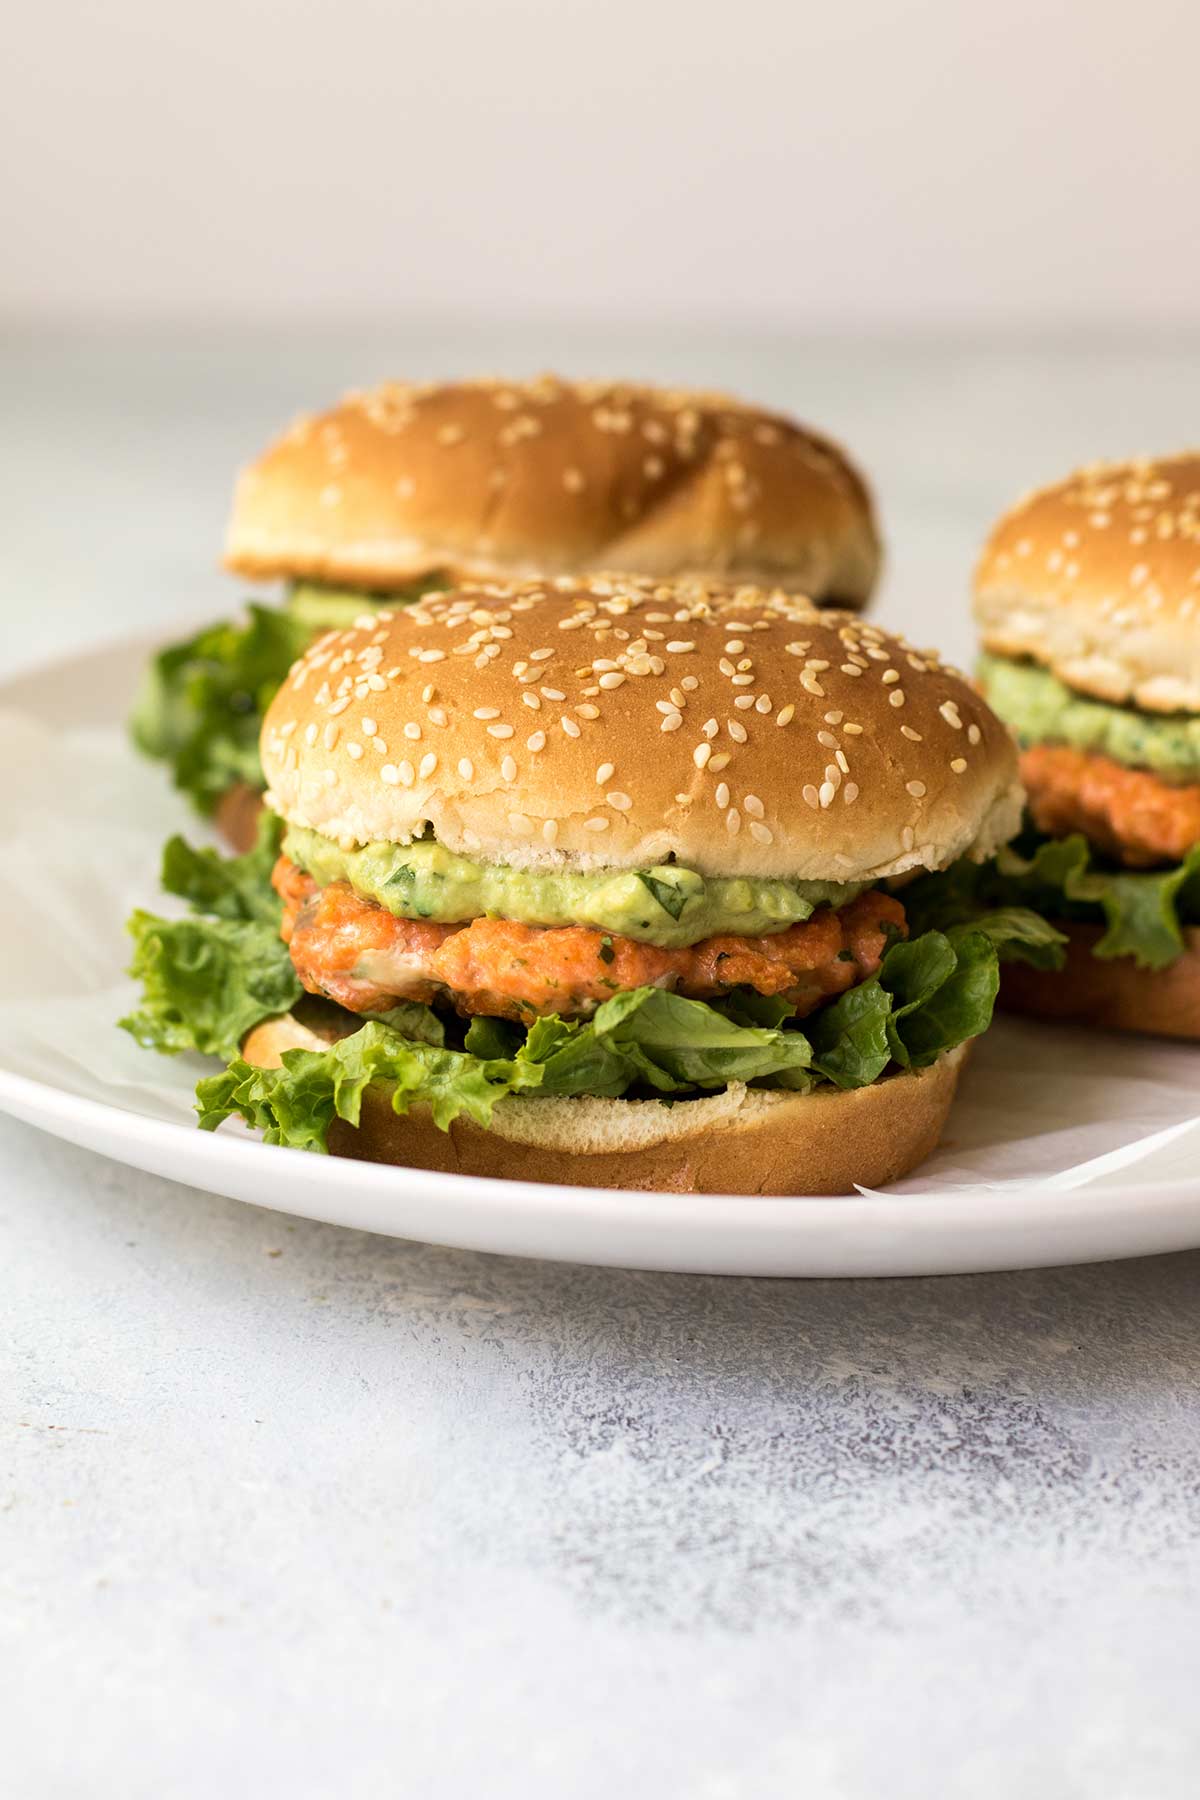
<point x="1112" y="994"/>
<point x="543" y="478"/>
<point x="620" y="723"/>
<point x="740" y="1141"/>
<point x="1098" y="579"/>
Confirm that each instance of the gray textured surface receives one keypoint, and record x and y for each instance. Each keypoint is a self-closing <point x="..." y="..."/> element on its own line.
<point x="292" y="1510"/>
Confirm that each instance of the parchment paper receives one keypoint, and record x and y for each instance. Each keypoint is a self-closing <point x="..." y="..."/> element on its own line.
<point x="83" y="824"/>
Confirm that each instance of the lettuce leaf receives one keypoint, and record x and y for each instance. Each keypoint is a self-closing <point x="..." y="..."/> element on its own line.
<point x="231" y="887"/>
<point x="206" y="982"/>
<point x="929" y="996"/>
<point x="966" y="896"/>
<point x="201" y="701"/>
<point x="1143" y="911"/>
<point x="296" y="1104"/>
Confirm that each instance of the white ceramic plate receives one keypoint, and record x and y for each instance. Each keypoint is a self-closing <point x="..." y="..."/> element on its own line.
<point x="1061" y="1149"/>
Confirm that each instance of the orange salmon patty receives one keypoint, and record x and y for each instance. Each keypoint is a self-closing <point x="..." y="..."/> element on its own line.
<point x="1133" y="815"/>
<point x="357" y="953"/>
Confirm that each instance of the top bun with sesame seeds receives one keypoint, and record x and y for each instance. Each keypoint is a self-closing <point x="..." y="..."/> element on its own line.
<point x="518" y="480"/>
<point x="622" y="723"/>
<point x="1098" y="579"/>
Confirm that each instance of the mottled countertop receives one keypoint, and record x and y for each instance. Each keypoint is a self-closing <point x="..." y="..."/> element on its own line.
<point x="291" y="1510"/>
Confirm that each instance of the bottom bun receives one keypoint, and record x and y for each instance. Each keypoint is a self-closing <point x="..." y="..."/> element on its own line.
<point x="1110" y="993"/>
<point x="740" y="1141"/>
<point x="236" y="816"/>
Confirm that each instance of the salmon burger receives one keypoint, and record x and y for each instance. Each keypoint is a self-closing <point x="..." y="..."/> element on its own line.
<point x="1088" y="602"/>
<point x="408" y="487"/>
<point x="620" y="882"/>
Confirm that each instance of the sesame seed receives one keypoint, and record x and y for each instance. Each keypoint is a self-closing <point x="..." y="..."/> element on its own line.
<point x="742" y="701"/>
<point x="569" y="726"/>
<point x="549" y="693"/>
<point x="532" y="700"/>
<point x="486" y="712"/>
<point x="620" y="801"/>
<point x="672" y="722"/>
<point x="690" y="683"/>
<point x="722" y="795"/>
<point x="508" y="769"/>
<point x="680" y="646"/>
<point x="604" y="773"/>
<point x="914" y="737"/>
<point x="412" y="731"/>
<point x="958" y="764"/>
<point x="761" y="833"/>
<point x="666" y="706"/>
<point x="850" y="793"/>
<point x="973" y="734"/>
<point x="588" y="711"/>
<point x="810" y="796"/>
<point x="827" y="740"/>
<point x="785" y="715"/>
<point x="908" y="837"/>
<point x="354" y="750"/>
<point x="339" y="706"/>
<point x="736" y="730"/>
<point x="500" y="731"/>
<point x="437" y="715"/>
<point x="596" y="824"/>
<point x="329" y="736"/>
<point x="612" y="679"/>
<point x="390" y="773"/>
<point x="733" y="821"/>
<point x="761" y="705"/>
<point x="735" y="646"/>
<point x="432" y="656"/>
<point x="310" y="735"/>
<point x="827" y="792"/>
<point x="852" y="730"/>
<point x="719" y="761"/>
<point x="550" y="830"/>
<point x="851" y="669"/>
<point x="916" y="788"/>
<point x="701" y="754"/>
<point x="536" y="742"/>
<point x="427" y="693"/>
<point x="841" y="762"/>
<point x="754" y="806"/>
<point x="896" y="697"/>
<point x="466" y="768"/>
<point x="949" y="712"/>
<point x="428" y="765"/>
<point x="369" y="728"/>
<point x="407" y="773"/>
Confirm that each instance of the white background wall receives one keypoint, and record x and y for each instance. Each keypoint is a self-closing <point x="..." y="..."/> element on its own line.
<point x="852" y="162"/>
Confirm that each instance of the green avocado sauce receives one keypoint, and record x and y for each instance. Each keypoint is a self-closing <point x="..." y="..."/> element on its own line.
<point x="333" y="609"/>
<point x="1042" y="710"/>
<point x="668" y="906"/>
